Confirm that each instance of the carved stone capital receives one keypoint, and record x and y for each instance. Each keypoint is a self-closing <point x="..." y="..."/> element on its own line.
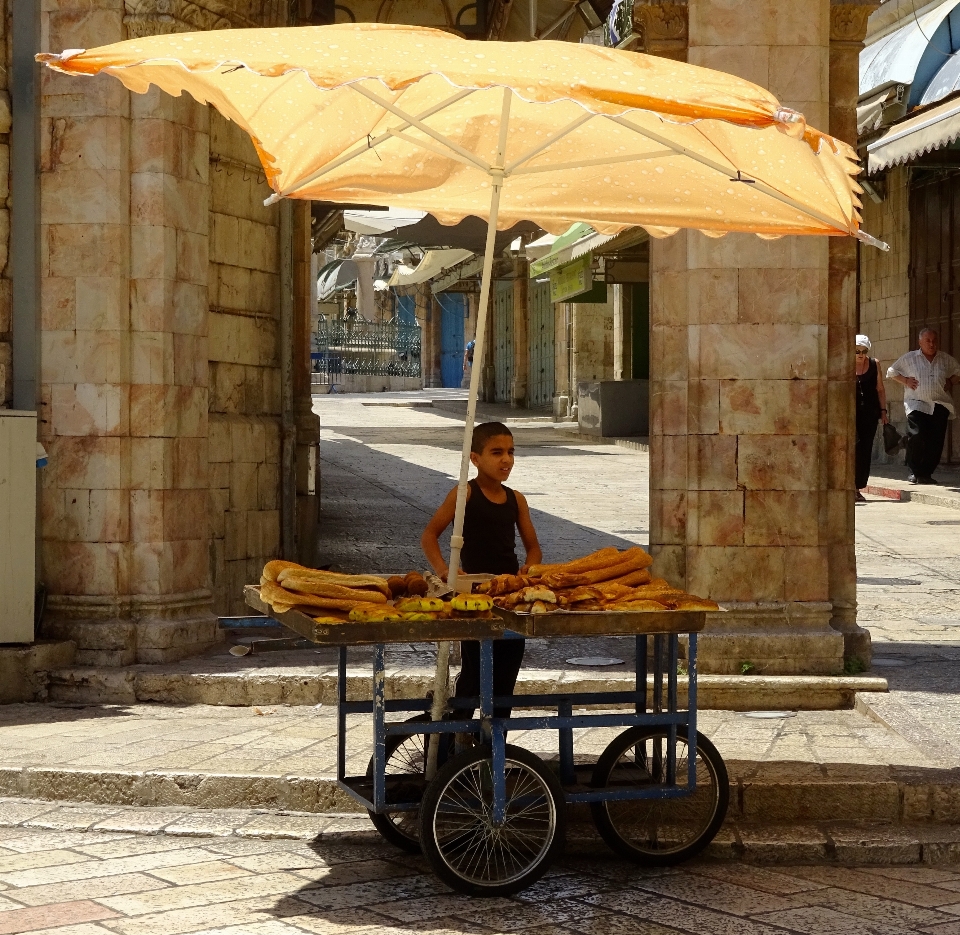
<point x="661" y="26"/>
<point x="848" y="21"/>
<point x="162" y="17"/>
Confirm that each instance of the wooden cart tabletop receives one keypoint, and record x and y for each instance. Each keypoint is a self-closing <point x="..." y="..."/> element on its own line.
<point x="597" y="623"/>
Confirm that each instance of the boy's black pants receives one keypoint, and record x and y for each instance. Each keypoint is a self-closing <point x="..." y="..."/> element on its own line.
<point x="507" y="658"/>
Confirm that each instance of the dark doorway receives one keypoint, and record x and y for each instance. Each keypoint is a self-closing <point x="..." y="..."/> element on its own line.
<point x="935" y="266"/>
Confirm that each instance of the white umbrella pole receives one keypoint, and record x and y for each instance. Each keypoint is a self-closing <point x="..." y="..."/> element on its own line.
<point x="441" y="685"/>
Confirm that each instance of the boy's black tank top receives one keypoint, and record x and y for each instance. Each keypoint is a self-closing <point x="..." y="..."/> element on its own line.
<point x="489" y="534"/>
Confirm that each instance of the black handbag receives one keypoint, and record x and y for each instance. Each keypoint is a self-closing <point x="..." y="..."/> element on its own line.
<point x="892" y="439"/>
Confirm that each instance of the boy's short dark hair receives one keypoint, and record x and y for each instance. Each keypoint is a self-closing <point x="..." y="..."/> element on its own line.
<point x="484" y="432"/>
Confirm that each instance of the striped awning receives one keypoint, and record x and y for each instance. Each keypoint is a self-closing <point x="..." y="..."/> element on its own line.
<point x="932" y="129"/>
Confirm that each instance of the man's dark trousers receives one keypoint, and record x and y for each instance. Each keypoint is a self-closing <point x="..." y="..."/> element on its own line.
<point x="925" y="437"/>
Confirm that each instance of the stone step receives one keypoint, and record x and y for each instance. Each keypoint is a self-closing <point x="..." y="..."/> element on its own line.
<point x="761" y="793"/>
<point x="304" y="685"/>
<point x="822" y="842"/>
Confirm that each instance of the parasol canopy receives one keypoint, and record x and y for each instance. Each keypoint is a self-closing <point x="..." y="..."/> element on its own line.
<point x="411" y="117"/>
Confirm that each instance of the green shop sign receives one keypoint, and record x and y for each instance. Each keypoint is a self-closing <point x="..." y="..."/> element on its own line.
<point x="571" y="279"/>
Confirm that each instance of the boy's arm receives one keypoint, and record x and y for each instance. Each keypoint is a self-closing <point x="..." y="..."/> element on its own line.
<point x="528" y="535"/>
<point x="429" y="541"/>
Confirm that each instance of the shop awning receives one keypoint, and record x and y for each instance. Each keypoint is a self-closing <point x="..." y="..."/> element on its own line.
<point x="576" y="241"/>
<point x="922" y="133"/>
<point x="912" y="52"/>
<point x="378" y="223"/>
<point x="336" y="275"/>
<point x="433" y="263"/>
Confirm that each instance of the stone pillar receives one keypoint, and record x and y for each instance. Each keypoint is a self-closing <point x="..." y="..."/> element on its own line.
<point x="562" y="397"/>
<point x="521" y="337"/>
<point x="307" y="423"/>
<point x="744" y="414"/>
<point x="488" y="377"/>
<point x="622" y="332"/>
<point x="124" y="515"/>
<point x="848" y="26"/>
<point x="592" y="340"/>
<point x="428" y="311"/>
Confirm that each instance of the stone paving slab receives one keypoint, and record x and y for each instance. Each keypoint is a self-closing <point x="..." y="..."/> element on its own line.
<point x="62" y="872"/>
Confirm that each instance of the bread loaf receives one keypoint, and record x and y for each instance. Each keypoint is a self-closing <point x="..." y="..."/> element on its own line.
<point x="271" y="571"/>
<point x="365" y="582"/>
<point x="598" y="559"/>
<point x="419" y="605"/>
<point x="631" y="560"/>
<point x="638" y="605"/>
<point x="373" y="613"/>
<point x="633" y="578"/>
<point x="280" y="599"/>
<point x="305" y="584"/>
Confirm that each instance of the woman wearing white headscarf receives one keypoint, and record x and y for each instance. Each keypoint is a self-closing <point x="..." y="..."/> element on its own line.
<point x="871" y="409"/>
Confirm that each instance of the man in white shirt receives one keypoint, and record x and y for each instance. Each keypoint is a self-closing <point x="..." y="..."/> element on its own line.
<point x="927" y="376"/>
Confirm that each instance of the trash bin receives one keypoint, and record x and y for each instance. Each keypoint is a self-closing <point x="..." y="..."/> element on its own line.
<point x="614" y="408"/>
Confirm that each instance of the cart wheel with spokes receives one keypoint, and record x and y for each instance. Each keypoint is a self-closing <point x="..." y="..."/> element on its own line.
<point x="659" y="831"/>
<point x="405" y="768"/>
<point x="457" y="833"/>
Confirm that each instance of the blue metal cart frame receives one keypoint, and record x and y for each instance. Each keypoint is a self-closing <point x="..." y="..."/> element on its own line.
<point x="493" y="729"/>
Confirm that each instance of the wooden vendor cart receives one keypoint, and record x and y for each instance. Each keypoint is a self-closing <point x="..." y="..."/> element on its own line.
<point x="492" y="819"/>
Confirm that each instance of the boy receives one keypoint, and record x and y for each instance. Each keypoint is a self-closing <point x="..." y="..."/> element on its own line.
<point x="493" y="515"/>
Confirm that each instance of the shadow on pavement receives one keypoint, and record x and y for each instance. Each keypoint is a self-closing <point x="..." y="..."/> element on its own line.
<point x="375" y="505"/>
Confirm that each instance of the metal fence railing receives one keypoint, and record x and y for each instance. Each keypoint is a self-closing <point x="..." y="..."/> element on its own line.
<point x="370" y="348"/>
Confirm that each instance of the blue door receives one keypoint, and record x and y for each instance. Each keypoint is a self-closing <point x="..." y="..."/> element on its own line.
<point x="453" y="309"/>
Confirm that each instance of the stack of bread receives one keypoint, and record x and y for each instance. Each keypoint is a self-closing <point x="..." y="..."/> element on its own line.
<point x="606" y="580"/>
<point x="332" y="597"/>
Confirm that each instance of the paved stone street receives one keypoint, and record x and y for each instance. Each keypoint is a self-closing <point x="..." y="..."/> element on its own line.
<point x="215" y="880"/>
<point x="290" y="860"/>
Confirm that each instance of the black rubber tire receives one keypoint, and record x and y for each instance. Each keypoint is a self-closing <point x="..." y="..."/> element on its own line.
<point x="524" y="853"/>
<point x="402" y="829"/>
<point x="681" y="827"/>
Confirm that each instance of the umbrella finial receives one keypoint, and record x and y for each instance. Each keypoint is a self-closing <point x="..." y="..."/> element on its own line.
<point x="791" y="122"/>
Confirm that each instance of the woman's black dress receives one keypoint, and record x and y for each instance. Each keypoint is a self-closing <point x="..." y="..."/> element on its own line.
<point x="868" y="415"/>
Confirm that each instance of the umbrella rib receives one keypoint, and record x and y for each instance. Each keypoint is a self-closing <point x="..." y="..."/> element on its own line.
<point x="710" y="164"/>
<point x="817" y="164"/>
<point x="422" y="127"/>
<point x="636" y="157"/>
<point x="569" y="128"/>
<point x="370" y="143"/>
<point x="439" y="150"/>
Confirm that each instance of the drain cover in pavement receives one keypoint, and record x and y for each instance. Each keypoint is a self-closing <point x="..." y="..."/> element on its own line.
<point x="889" y="661"/>
<point x="769" y="715"/>
<point x="595" y="661"/>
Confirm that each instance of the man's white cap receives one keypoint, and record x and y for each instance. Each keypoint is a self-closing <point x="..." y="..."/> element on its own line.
<point x="863" y="341"/>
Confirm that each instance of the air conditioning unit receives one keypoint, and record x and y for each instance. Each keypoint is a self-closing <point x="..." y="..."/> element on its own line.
<point x="18" y="524"/>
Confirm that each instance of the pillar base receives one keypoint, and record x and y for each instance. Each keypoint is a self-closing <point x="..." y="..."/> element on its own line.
<point x="25" y="669"/>
<point x="123" y="630"/>
<point x="771" y="638"/>
<point x="857" y="645"/>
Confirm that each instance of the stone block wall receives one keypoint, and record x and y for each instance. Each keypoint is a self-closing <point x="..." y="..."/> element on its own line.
<point x="885" y="283"/>
<point x="244" y="297"/>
